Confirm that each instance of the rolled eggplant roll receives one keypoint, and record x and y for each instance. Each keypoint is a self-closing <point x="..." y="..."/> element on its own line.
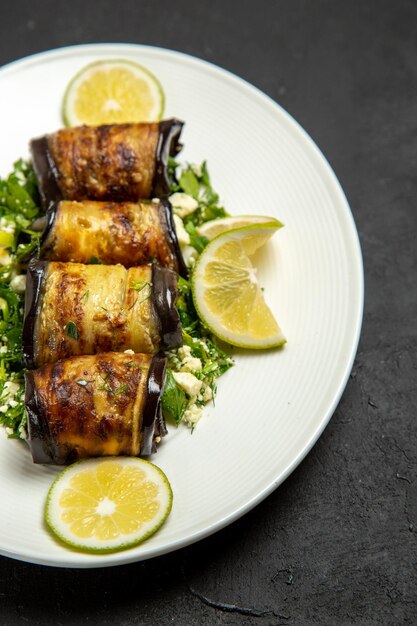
<point x="118" y="162"/>
<point x="100" y="405"/>
<point x="73" y="309"/>
<point x="128" y="233"/>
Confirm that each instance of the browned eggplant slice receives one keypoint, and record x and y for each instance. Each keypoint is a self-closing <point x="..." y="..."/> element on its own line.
<point x="117" y="162"/>
<point x="73" y="309"/>
<point x="128" y="233"/>
<point x="100" y="405"/>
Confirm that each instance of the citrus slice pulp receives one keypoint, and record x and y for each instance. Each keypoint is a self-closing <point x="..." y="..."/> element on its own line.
<point x="108" y="504"/>
<point x="226" y="292"/>
<point x="115" y="91"/>
<point x="216" y="227"/>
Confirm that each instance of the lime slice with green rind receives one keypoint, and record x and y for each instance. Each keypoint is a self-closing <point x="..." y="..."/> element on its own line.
<point x="226" y="292"/>
<point x="216" y="227"/>
<point x="108" y="504"/>
<point x="113" y="91"/>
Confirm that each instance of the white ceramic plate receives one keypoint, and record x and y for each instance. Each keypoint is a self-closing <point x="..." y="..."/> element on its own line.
<point x="271" y="407"/>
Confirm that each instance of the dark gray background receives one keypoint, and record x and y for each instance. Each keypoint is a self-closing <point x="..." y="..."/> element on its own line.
<point x="337" y="542"/>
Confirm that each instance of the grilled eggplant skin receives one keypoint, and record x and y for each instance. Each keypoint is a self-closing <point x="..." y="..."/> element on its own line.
<point x="118" y="162"/>
<point x="101" y="405"/>
<point x="168" y="146"/>
<point x="128" y="233"/>
<point x="74" y="309"/>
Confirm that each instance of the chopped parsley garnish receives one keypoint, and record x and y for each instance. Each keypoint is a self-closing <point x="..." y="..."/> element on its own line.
<point x="139" y="285"/>
<point x="201" y="355"/>
<point x="106" y="384"/>
<point x="195" y="181"/>
<point x="198" y="242"/>
<point x="110" y="389"/>
<point x="174" y="400"/>
<point x="124" y="388"/>
<point x="71" y="330"/>
<point x="135" y="366"/>
<point x="19" y="207"/>
<point x="144" y="288"/>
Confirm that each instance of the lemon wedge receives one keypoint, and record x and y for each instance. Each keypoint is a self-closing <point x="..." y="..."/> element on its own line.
<point x="216" y="227"/>
<point x="115" y="91"/>
<point x="226" y="292"/>
<point x="108" y="504"/>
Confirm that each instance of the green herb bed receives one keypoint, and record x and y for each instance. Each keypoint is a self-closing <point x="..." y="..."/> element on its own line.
<point x="19" y="208"/>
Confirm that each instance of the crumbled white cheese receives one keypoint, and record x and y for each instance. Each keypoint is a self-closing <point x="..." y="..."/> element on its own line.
<point x="193" y="382"/>
<point x="191" y="364"/>
<point x="11" y="387"/>
<point x="189" y="254"/>
<point x="207" y="394"/>
<point x="193" y="414"/>
<point x="7" y="226"/>
<point x="197" y="169"/>
<point x="20" y="176"/>
<point x="188" y="362"/>
<point x="18" y="283"/>
<point x="183" y="352"/>
<point x="188" y="383"/>
<point x="6" y="259"/>
<point x="22" y="430"/>
<point x="129" y="352"/>
<point x="182" y="235"/>
<point x="9" y="392"/>
<point x="183" y="204"/>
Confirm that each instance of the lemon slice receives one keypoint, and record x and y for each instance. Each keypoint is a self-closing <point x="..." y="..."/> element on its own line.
<point x="215" y="227"/>
<point x="113" y="92"/>
<point x="226" y="293"/>
<point x="109" y="504"/>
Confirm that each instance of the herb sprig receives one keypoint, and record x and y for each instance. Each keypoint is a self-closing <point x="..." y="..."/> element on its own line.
<point x="110" y="389"/>
<point x="71" y="330"/>
<point x="194" y="180"/>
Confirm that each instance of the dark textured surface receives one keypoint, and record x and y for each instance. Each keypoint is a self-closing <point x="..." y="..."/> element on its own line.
<point x="336" y="544"/>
